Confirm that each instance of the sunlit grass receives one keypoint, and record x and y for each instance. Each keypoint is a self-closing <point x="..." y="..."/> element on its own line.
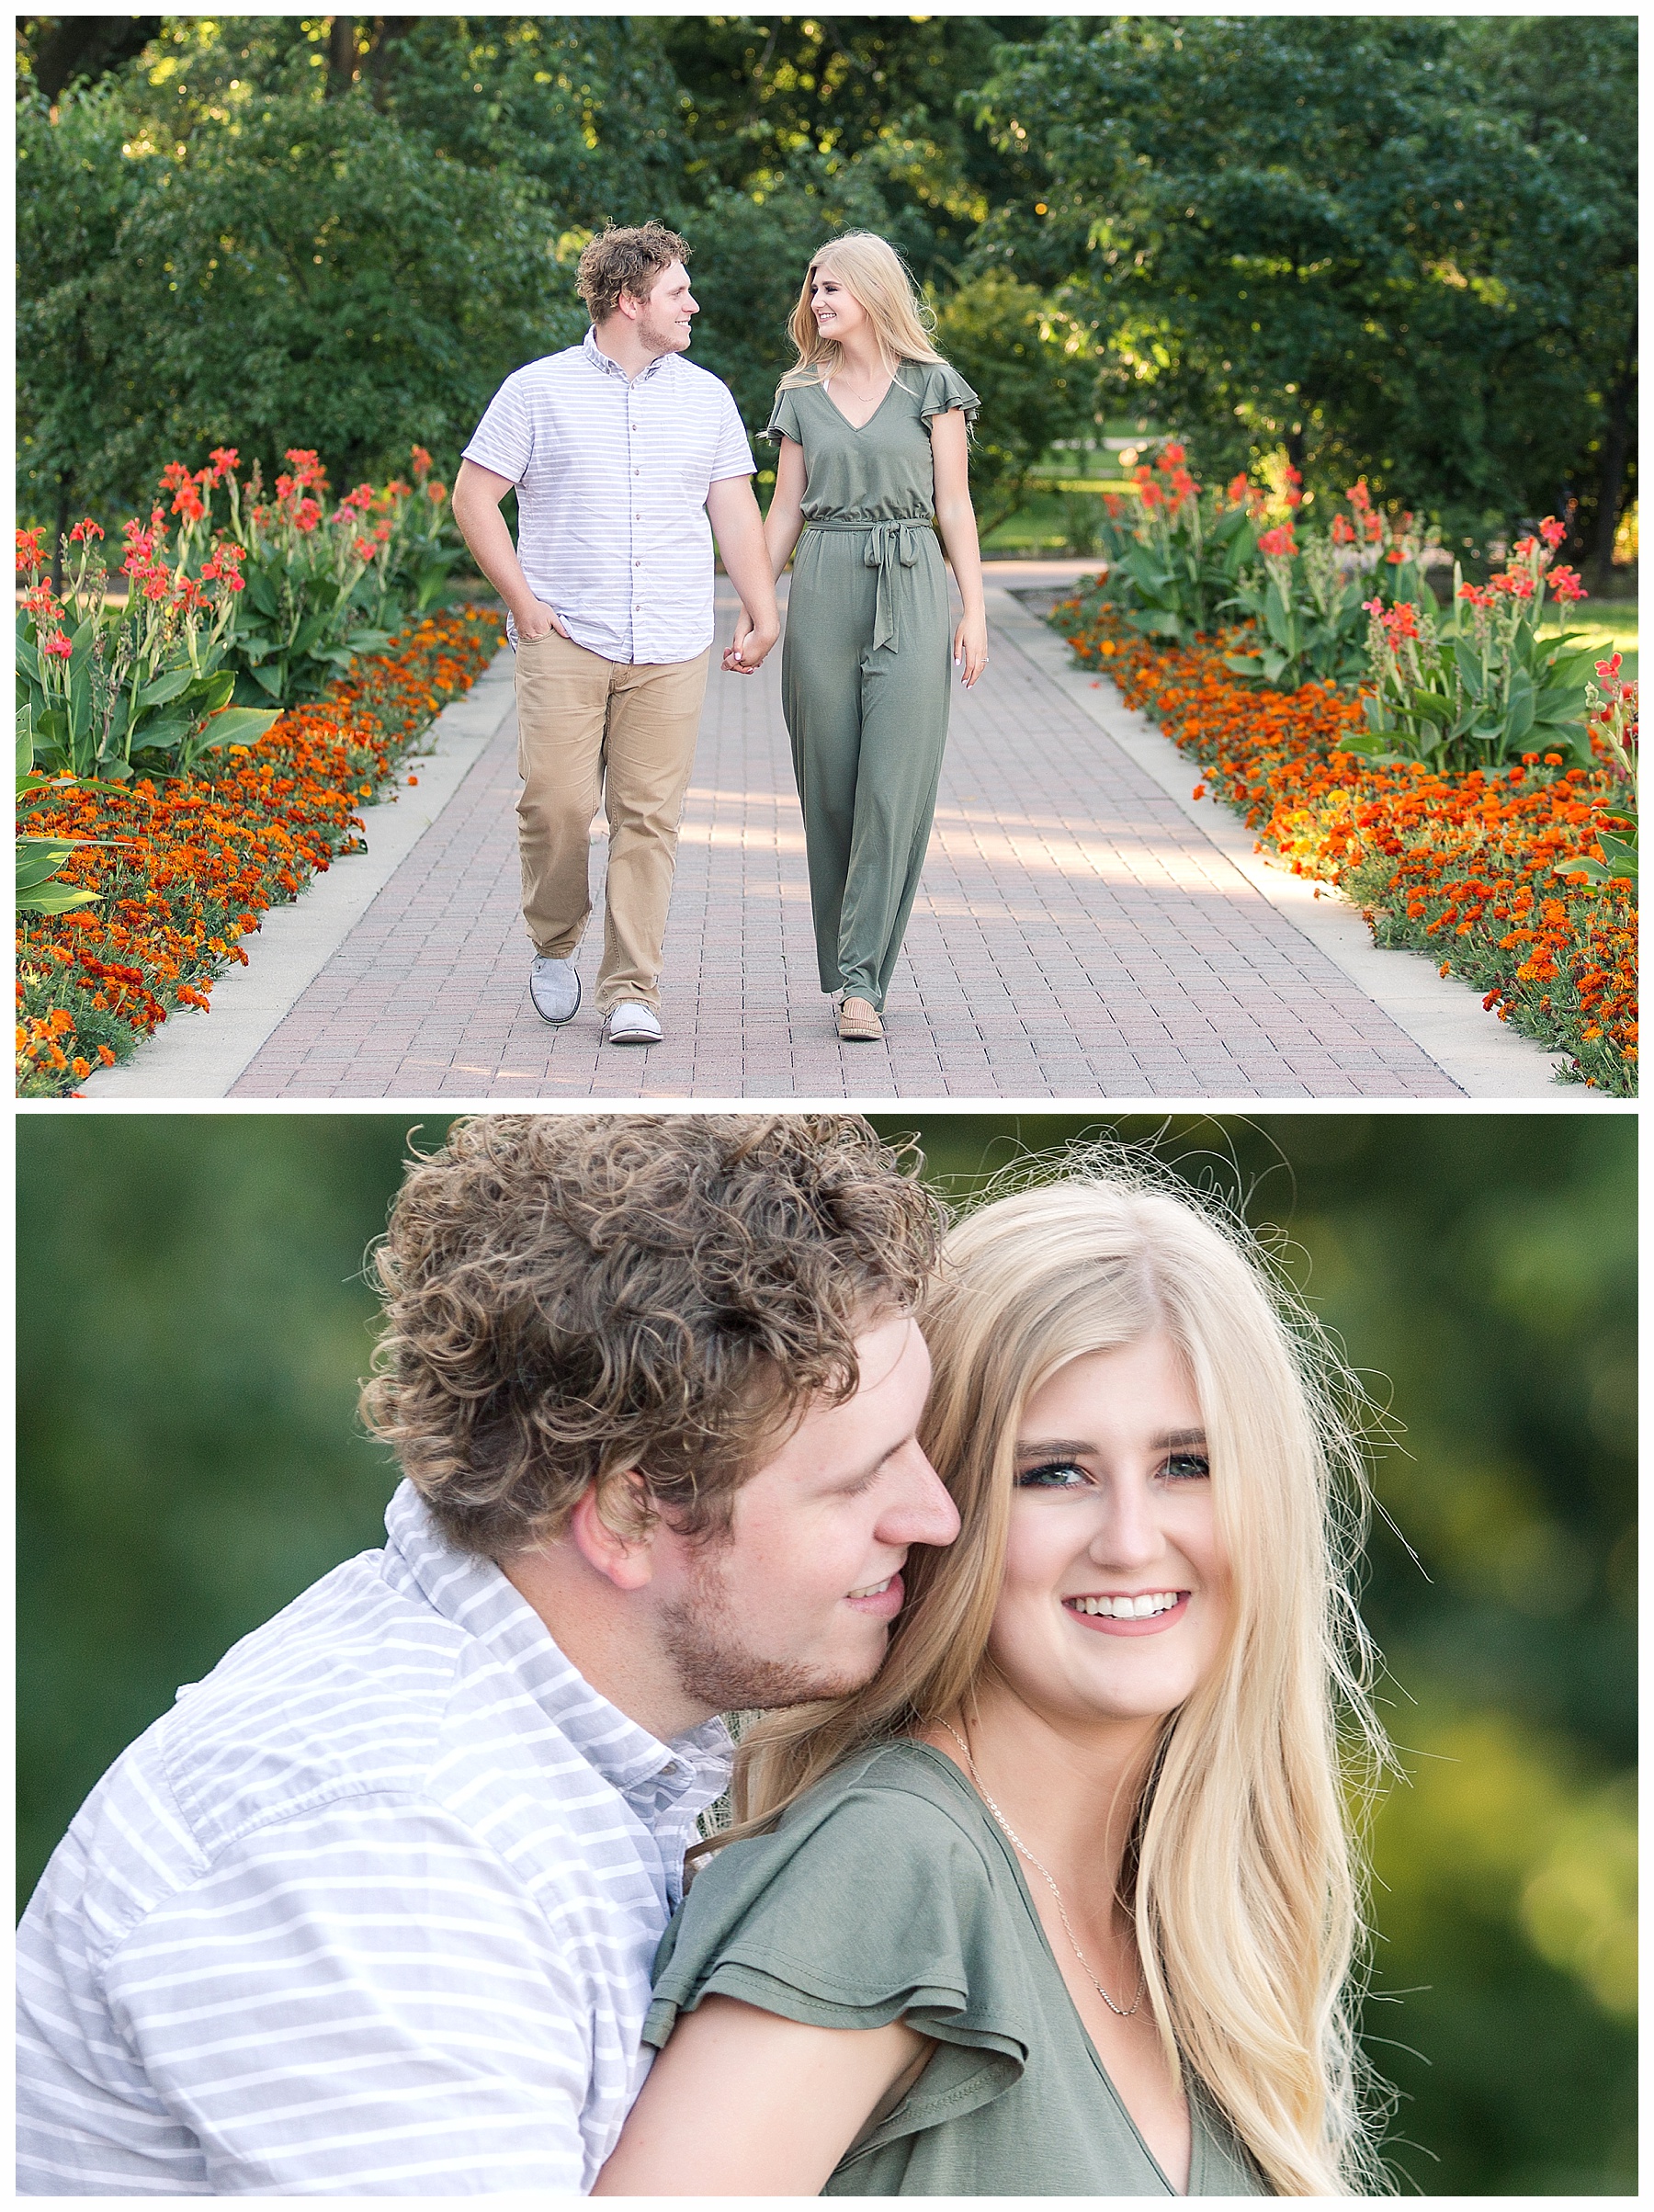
<point x="1608" y="623"/>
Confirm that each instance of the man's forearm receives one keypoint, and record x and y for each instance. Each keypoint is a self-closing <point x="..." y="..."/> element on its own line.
<point x="486" y="531"/>
<point x="747" y="563"/>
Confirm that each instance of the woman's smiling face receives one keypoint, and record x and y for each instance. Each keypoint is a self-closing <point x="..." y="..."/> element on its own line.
<point x="1116" y="1595"/>
<point x="837" y="310"/>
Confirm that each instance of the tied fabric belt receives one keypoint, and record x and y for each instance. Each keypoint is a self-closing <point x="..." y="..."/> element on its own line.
<point x="890" y="545"/>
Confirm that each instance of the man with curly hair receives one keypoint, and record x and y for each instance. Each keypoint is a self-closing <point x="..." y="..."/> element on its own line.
<point x="372" y="1910"/>
<point x="620" y="453"/>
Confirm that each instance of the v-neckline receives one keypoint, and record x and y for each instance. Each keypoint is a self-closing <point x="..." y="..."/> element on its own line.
<point x="858" y="428"/>
<point x="1009" y="1856"/>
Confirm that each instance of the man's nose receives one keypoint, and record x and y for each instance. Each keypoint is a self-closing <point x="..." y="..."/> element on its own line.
<point x="922" y="1513"/>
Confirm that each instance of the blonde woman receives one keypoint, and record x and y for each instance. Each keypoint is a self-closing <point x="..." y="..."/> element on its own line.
<point x="872" y="426"/>
<point x="1064" y="1902"/>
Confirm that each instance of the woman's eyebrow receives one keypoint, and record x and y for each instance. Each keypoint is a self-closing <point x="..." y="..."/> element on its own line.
<point x="1051" y="1447"/>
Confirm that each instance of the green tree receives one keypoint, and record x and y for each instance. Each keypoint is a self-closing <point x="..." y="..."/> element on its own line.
<point x="749" y="255"/>
<point x="1320" y="232"/>
<point x="763" y="93"/>
<point x="77" y="443"/>
<point x="1568" y="83"/>
<point x="1032" y="362"/>
<point x="291" y="278"/>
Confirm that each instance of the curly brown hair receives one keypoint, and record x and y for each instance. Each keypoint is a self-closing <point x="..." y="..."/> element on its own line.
<point x="572" y="1298"/>
<point x="624" y="261"/>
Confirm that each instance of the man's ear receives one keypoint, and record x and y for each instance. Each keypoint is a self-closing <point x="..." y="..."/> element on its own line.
<point x="612" y="1528"/>
<point x="629" y="307"/>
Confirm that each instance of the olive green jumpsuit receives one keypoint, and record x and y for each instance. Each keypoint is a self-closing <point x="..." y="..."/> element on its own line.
<point x="864" y="668"/>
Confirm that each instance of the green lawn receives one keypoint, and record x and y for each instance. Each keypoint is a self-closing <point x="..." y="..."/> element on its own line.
<point x="1046" y="525"/>
<point x="1609" y="623"/>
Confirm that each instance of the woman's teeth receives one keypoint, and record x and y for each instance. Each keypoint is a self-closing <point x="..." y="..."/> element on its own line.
<point x="874" y="1589"/>
<point x="1126" y="1608"/>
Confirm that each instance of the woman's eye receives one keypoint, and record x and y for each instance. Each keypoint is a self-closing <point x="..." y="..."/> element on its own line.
<point x="1056" y="1474"/>
<point x="1187" y="1467"/>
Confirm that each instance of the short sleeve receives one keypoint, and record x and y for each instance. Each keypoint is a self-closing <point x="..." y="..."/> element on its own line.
<point x="418" y="2020"/>
<point x="873" y="1907"/>
<point x="944" y="388"/>
<point x="784" y="418"/>
<point x="734" y="456"/>
<point x="504" y="439"/>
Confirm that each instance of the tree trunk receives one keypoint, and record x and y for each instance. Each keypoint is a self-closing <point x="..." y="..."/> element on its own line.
<point x="1294" y="447"/>
<point x="87" y="47"/>
<point x="341" y="53"/>
<point x="388" y="31"/>
<point x="1616" y="446"/>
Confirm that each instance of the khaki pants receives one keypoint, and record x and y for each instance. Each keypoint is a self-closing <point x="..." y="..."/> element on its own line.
<point x="591" y="729"/>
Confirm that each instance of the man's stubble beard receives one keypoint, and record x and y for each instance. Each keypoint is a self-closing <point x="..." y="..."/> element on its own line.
<point x="661" y="337"/>
<point x="717" y="1669"/>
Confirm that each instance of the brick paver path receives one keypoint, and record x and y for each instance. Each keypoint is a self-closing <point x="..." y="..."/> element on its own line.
<point x="1076" y="935"/>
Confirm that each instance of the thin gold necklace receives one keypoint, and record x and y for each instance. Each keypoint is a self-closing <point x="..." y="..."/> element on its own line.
<point x="1120" y="2012"/>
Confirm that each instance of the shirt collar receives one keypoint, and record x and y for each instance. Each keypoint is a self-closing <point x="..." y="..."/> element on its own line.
<point x="685" y="1774"/>
<point x="599" y="360"/>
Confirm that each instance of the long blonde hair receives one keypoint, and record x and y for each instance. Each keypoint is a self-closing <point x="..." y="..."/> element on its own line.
<point x="1243" y="1874"/>
<point x="874" y="275"/>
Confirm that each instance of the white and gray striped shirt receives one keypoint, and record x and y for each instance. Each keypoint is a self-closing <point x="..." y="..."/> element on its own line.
<point x="612" y="474"/>
<point x="371" y="1912"/>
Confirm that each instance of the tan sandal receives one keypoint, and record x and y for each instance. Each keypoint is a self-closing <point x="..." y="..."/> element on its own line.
<point x="858" y="1023"/>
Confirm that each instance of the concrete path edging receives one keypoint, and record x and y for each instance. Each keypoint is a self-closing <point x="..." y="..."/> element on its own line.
<point x="1441" y="1013"/>
<point x="199" y="1055"/>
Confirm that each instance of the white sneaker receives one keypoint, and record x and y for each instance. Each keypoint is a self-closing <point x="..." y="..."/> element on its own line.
<point x="555" y="988"/>
<point x="631" y="1023"/>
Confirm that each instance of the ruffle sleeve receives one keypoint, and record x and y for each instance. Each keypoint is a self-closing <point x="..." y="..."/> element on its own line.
<point x="784" y="419"/>
<point x="867" y="1904"/>
<point x="945" y="388"/>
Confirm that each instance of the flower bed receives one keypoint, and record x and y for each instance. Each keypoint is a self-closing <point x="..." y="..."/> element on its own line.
<point x="1458" y="865"/>
<point x="203" y="857"/>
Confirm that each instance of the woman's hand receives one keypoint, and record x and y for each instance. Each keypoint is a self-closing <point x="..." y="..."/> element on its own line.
<point x="970" y="647"/>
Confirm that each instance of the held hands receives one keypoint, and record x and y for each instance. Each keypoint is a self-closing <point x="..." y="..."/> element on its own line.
<point x="746" y="655"/>
<point x="970" y="647"/>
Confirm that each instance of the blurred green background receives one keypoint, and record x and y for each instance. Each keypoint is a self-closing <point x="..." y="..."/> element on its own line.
<point x="193" y="1321"/>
